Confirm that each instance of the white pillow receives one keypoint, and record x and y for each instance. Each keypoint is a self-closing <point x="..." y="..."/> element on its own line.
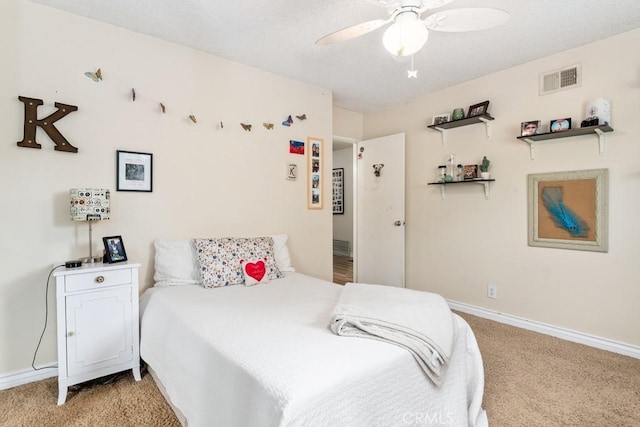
<point x="176" y="263"/>
<point x="281" y="253"/>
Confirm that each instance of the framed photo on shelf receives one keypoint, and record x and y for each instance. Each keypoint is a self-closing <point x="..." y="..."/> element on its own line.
<point x="478" y="109"/>
<point x="337" y="181"/>
<point x="560" y="125"/>
<point x="441" y="118"/>
<point x="529" y="128"/>
<point x="469" y="172"/>
<point x="114" y="249"/>
<point x="134" y="171"/>
<point x="315" y="165"/>
<point x="569" y="210"/>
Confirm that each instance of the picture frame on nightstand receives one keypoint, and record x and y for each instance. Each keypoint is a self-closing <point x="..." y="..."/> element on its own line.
<point x="114" y="249"/>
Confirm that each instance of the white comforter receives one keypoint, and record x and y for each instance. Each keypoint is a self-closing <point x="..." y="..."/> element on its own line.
<point x="264" y="356"/>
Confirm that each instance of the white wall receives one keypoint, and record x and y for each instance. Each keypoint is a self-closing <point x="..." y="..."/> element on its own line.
<point x="206" y="182"/>
<point x="460" y="245"/>
<point x="347" y="124"/>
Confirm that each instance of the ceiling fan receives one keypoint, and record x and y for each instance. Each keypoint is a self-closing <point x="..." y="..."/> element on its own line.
<point x="409" y="31"/>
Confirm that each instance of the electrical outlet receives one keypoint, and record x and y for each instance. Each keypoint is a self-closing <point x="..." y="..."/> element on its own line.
<point x="492" y="291"/>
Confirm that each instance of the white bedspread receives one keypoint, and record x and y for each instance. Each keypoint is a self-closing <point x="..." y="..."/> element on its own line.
<point x="420" y="322"/>
<point x="264" y="356"/>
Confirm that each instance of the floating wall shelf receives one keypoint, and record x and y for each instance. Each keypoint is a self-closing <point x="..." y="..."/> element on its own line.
<point x="443" y="127"/>
<point x="483" y="182"/>
<point x="591" y="130"/>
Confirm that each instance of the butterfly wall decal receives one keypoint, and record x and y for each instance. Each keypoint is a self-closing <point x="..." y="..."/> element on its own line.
<point x="268" y="126"/>
<point x="163" y="108"/>
<point x="287" y="122"/>
<point x="193" y="118"/>
<point x="95" y="76"/>
<point x="302" y="117"/>
<point x="246" y="127"/>
<point x="133" y="94"/>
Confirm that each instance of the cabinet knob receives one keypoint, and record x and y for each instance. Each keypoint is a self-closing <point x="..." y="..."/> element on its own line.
<point x="100" y="279"/>
<point x="70" y="333"/>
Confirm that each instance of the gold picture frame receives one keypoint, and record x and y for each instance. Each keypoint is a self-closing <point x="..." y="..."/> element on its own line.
<point x="569" y="210"/>
<point x="315" y="166"/>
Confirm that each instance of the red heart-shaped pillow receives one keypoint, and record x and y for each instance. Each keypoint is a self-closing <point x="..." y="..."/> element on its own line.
<point x="255" y="270"/>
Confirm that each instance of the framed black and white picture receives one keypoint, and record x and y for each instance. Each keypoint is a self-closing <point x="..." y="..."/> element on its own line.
<point x="134" y="171"/>
<point x="338" y="191"/>
<point x="314" y="173"/>
<point x="114" y="249"/>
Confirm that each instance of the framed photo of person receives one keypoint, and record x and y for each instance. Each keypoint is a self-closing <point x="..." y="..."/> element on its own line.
<point x="315" y="166"/>
<point x="478" y="109"/>
<point x="441" y="118"/>
<point x="529" y="128"/>
<point x="114" y="249"/>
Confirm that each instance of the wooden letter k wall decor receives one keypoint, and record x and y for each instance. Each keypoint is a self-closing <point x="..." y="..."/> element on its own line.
<point x="31" y="123"/>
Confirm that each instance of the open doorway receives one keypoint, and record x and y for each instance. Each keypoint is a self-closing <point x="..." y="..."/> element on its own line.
<point x="343" y="217"/>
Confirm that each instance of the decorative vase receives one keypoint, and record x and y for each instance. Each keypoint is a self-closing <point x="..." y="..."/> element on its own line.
<point x="485" y="175"/>
<point x="458" y="114"/>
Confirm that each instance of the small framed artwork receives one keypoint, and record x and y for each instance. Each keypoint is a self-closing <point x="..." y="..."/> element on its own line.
<point x="470" y="171"/>
<point x="296" y="147"/>
<point x="560" y="125"/>
<point x="337" y="180"/>
<point x="529" y="128"/>
<point x="478" y="109"/>
<point x="569" y="210"/>
<point x="292" y="171"/>
<point x="134" y="171"/>
<point x="314" y="173"/>
<point x="441" y="118"/>
<point x="114" y="249"/>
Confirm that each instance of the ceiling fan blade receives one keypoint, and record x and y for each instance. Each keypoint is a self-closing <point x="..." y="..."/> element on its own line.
<point x="352" y="32"/>
<point x="466" y="19"/>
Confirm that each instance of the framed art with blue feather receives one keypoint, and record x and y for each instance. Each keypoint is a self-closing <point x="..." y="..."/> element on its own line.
<point x="569" y="210"/>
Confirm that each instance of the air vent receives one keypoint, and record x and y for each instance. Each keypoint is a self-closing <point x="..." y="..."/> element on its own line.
<point x="562" y="79"/>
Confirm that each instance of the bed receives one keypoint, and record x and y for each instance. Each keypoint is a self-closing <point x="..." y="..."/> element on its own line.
<point x="264" y="355"/>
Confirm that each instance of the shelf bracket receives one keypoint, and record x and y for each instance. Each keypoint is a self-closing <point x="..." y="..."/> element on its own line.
<point x="532" y="145"/>
<point x="486" y="189"/>
<point x="601" y="141"/>
<point x="443" y="135"/>
<point x="442" y="191"/>
<point x="487" y="123"/>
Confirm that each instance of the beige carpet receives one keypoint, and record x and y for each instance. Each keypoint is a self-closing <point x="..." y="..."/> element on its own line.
<point x="531" y="380"/>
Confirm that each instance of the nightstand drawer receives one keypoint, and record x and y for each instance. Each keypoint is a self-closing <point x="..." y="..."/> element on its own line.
<point x="100" y="279"/>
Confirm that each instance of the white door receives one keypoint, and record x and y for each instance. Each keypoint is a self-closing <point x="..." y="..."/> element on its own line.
<point x="379" y="252"/>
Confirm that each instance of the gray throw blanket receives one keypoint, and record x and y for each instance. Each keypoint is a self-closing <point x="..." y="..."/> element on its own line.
<point x="419" y="321"/>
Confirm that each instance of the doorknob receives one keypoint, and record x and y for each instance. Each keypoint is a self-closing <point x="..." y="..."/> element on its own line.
<point x="398" y="223"/>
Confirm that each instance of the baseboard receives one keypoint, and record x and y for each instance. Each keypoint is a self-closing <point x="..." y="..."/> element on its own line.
<point x="554" y="331"/>
<point x="14" y="379"/>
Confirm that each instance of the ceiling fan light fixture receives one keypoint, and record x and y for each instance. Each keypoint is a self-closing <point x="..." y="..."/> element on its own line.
<point x="406" y="35"/>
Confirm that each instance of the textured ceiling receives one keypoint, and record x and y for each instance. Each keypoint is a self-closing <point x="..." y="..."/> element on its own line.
<point x="278" y="36"/>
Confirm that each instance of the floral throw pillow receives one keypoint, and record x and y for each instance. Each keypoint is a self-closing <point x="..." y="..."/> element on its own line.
<point x="219" y="259"/>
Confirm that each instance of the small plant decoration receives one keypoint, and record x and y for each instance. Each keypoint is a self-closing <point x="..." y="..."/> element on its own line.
<point x="484" y="167"/>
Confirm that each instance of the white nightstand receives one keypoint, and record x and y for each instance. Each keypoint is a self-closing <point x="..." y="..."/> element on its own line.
<point x="98" y="330"/>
